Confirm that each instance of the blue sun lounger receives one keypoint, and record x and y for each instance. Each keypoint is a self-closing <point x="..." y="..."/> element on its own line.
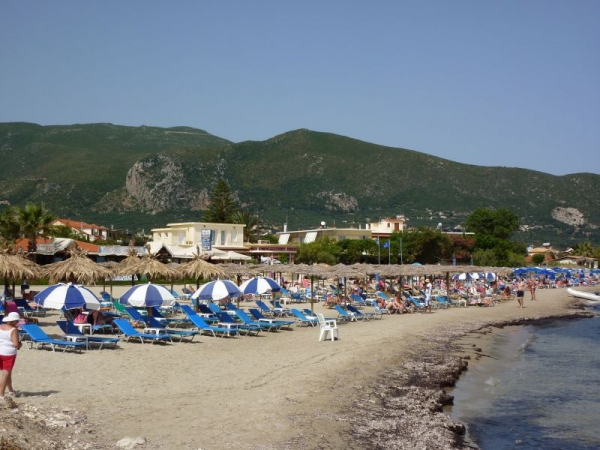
<point x="266" y="326"/>
<point x="39" y="337"/>
<point x="346" y="315"/>
<point x="260" y="317"/>
<point x="228" y="321"/>
<point x="71" y="331"/>
<point x="360" y="314"/>
<point x="174" y="333"/>
<point x="304" y="320"/>
<point x="200" y="323"/>
<point x="208" y="317"/>
<point x="128" y="333"/>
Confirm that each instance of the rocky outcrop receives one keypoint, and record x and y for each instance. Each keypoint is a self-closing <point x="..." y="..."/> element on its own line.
<point x="338" y="201"/>
<point x="570" y="216"/>
<point x="155" y="183"/>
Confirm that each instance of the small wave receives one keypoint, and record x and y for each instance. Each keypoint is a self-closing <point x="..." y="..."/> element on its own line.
<point x="491" y="381"/>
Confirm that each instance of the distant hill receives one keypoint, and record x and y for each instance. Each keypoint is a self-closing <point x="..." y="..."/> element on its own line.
<point x="144" y="177"/>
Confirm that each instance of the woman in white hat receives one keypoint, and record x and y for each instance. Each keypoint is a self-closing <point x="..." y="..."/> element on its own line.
<point x="9" y="344"/>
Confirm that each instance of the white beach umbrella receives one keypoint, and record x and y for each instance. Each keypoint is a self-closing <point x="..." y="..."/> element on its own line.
<point x="147" y="295"/>
<point x="67" y="296"/>
<point x="216" y="290"/>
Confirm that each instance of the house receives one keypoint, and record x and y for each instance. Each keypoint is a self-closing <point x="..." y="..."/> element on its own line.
<point x="579" y="261"/>
<point x="545" y="249"/>
<point x="385" y="227"/>
<point x="85" y="230"/>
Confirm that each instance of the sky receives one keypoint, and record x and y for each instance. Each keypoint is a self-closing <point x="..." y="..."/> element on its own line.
<point x="512" y="83"/>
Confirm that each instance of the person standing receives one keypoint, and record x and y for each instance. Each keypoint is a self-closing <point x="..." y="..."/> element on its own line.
<point x="9" y="344"/>
<point x="24" y="288"/>
<point x="532" y="285"/>
<point x="521" y="292"/>
<point x="428" y="290"/>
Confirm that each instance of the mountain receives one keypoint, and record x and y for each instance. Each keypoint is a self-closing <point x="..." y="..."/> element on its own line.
<point x="145" y="177"/>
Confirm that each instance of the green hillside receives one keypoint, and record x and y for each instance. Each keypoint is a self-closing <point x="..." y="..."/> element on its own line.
<point x="146" y="177"/>
<point x="72" y="167"/>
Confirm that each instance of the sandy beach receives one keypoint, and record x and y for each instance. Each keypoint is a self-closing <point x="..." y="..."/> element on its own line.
<point x="281" y="390"/>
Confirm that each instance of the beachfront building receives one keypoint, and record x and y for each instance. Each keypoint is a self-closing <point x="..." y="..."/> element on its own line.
<point x="579" y="261"/>
<point x="307" y="236"/>
<point x="385" y="227"/>
<point x="265" y="252"/>
<point x="219" y="241"/>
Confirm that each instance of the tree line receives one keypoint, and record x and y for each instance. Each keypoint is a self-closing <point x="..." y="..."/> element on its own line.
<point x="490" y="245"/>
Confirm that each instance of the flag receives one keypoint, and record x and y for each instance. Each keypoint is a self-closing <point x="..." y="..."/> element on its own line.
<point x="376" y="240"/>
<point x="386" y="244"/>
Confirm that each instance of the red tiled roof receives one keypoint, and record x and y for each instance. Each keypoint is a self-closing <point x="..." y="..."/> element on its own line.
<point x="88" y="247"/>
<point x="79" y="224"/>
<point x="22" y="244"/>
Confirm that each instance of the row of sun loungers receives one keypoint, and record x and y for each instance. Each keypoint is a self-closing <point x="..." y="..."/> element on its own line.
<point x="207" y="319"/>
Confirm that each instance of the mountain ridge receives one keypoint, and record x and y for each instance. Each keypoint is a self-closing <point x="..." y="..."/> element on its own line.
<point x="148" y="176"/>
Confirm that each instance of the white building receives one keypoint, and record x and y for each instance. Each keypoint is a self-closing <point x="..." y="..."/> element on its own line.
<point x="385" y="227"/>
<point x="307" y="236"/>
<point x="183" y="240"/>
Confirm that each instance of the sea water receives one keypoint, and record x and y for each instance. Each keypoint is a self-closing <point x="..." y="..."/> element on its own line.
<point x="539" y="388"/>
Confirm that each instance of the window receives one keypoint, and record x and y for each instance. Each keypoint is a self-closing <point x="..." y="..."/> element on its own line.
<point x="223" y="237"/>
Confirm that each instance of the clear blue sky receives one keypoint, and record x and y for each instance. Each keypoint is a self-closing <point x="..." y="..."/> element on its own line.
<point x="494" y="83"/>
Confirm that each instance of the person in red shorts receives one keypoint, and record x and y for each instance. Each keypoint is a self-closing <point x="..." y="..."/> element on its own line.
<point x="9" y="344"/>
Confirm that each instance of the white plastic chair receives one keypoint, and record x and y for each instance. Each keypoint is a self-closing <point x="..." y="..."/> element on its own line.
<point x="327" y="326"/>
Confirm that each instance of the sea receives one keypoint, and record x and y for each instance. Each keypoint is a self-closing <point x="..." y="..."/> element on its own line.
<point x="538" y="389"/>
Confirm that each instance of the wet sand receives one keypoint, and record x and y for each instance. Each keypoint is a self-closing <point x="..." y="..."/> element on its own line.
<point x="277" y="390"/>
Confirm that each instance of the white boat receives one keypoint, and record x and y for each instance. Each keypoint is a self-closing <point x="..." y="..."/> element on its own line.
<point x="585" y="295"/>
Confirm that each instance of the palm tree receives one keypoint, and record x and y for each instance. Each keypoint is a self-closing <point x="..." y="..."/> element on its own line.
<point x="584" y="249"/>
<point x="9" y="225"/>
<point x="252" y="224"/>
<point x="34" y="221"/>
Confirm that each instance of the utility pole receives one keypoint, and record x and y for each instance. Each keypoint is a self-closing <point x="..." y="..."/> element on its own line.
<point x="401" y="251"/>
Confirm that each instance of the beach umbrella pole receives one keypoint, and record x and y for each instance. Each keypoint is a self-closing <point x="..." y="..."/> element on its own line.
<point x="312" y="294"/>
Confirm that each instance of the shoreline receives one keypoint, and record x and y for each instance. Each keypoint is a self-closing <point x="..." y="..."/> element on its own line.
<point x="411" y="410"/>
<point x="376" y="387"/>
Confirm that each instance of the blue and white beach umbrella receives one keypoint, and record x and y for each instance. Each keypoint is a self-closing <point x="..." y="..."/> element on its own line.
<point x="462" y="276"/>
<point x="259" y="285"/>
<point x="67" y="296"/>
<point x="146" y="295"/>
<point x="216" y="290"/>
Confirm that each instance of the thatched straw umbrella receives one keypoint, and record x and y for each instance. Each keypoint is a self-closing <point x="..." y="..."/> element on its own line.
<point x="146" y="265"/>
<point x="76" y="269"/>
<point x="129" y="266"/>
<point x="312" y="270"/>
<point x="198" y="268"/>
<point x="151" y="267"/>
<point x="15" y="266"/>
